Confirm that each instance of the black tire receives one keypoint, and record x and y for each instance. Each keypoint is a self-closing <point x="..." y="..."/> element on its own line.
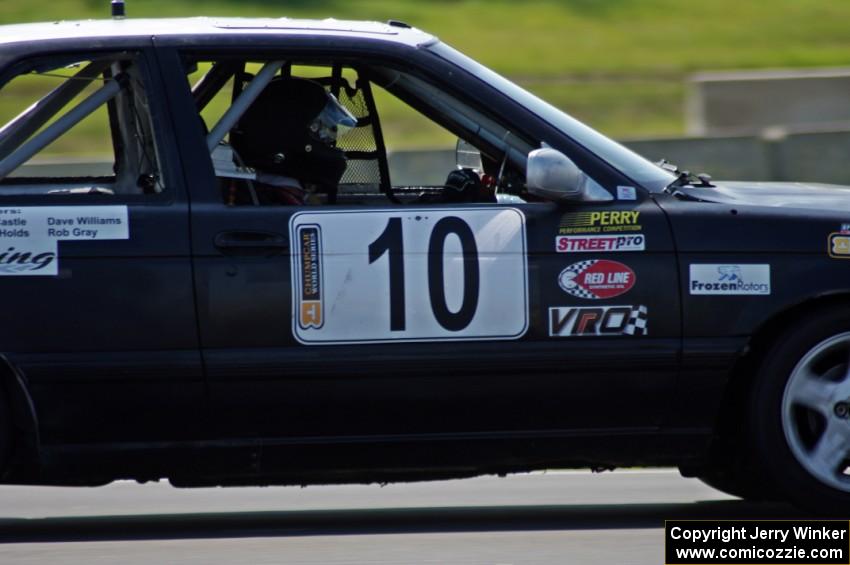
<point x="743" y="484"/>
<point x="792" y="406"/>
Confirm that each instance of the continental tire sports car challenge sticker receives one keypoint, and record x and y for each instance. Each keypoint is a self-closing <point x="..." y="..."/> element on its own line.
<point x="374" y="276"/>
<point x="30" y="235"/>
<point x="839" y="245"/>
<point x="310" y="276"/>
<point x="596" y="279"/>
<point x="603" y="321"/>
<point x="730" y="279"/>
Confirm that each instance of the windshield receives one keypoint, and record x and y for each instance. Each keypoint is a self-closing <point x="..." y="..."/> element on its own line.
<point x="646" y="173"/>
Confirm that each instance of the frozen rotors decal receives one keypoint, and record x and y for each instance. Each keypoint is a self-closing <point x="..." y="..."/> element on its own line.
<point x="29" y="235"/>
<point x="729" y="279"/>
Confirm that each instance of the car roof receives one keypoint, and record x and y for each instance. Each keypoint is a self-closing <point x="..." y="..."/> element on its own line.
<point x="209" y="26"/>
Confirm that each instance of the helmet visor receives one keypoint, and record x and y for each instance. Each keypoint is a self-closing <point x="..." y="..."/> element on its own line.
<point x="333" y="122"/>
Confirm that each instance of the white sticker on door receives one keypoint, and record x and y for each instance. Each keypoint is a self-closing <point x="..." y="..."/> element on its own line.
<point x="29" y="235"/>
<point x="408" y="275"/>
<point x="730" y="279"/>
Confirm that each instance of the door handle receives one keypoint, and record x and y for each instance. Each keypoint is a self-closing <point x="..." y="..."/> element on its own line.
<point x="251" y="241"/>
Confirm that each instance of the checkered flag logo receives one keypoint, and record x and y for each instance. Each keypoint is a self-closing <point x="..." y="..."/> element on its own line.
<point x="582" y="265"/>
<point x="637" y="322"/>
<point x="568" y="277"/>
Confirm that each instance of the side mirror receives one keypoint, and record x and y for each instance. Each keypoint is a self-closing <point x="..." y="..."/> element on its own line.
<point x="552" y="175"/>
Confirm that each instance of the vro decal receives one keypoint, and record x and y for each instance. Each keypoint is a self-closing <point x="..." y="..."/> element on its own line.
<point x="601" y="322"/>
<point x="596" y="279"/>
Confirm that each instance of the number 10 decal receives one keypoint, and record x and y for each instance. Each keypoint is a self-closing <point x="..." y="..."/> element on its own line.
<point x="390" y="240"/>
<point x="412" y="275"/>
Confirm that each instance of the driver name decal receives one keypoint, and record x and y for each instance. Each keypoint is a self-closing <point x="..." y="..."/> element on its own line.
<point x="29" y="236"/>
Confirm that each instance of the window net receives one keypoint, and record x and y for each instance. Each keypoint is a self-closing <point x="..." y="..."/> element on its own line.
<point x="364" y="172"/>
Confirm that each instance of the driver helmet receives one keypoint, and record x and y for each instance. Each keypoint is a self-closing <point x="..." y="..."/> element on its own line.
<point x="292" y="129"/>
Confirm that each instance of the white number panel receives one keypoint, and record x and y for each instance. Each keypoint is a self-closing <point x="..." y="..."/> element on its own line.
<point x="408" y="275"/>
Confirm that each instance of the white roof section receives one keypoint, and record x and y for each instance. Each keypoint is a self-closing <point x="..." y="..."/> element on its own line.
<point x="207" y="26"/>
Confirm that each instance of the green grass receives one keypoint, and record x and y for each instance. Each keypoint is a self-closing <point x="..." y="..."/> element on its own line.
<point x="88" y="138"/>
<point x="620" y="65"/>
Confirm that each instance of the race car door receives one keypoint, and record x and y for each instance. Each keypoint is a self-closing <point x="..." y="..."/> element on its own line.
<point x="369" y="318"/>
<point x="95" y="262"/>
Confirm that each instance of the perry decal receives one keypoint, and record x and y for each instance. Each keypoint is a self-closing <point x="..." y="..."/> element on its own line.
<point x="596" y="279"/>
<point x="609" y="221"/>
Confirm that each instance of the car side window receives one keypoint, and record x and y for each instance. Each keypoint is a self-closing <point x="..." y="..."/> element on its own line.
<point x="461" y="155"/>
<point x="308" y="133"/>
<point x="78" y="125"/>
<point x="290" y="134"/>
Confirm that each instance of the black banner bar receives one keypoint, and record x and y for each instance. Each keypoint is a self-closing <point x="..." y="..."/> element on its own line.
<point x="757" y="542"/>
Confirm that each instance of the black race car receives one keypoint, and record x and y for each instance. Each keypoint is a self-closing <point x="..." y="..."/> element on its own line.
<point x="226" y="286"/>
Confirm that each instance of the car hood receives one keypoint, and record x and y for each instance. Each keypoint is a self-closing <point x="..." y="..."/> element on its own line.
<point x="807" y="196"/>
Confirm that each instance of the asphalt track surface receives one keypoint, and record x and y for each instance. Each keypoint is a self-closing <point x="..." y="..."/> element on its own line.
<point x="551" y="518"/>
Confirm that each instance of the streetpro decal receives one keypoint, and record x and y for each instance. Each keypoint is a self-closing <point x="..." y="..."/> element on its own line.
<point x="599" y="322"/>
<point x="608" y="221"/>
<point x="30" y="235"/>
<point x="729" y="279"/>
<point x="596" y="279"/>
<point x="599" y="243"/>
